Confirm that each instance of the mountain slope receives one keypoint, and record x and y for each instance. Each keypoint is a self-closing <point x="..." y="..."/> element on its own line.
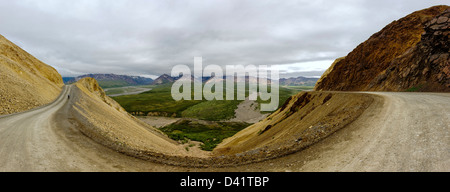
<point x="26" y="82"/>
<point x="163" y="79"/>
<point x="302" y="121"/>
<point x="426" y="66"/>
<point x="106" y="122"/>
<point x="397" y="57"/>
<point x="95" y="111"/>
<point x="298" y="81"/>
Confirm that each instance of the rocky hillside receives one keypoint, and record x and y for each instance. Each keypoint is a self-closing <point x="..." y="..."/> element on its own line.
<point x="26" y="82"/>
<point x="410" y="54"/>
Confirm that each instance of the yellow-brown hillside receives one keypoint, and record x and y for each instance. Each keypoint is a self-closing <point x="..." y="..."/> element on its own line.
<point x="26" y="82"/>
<point x="106" y="122"/>
<point x="303" y="120"/>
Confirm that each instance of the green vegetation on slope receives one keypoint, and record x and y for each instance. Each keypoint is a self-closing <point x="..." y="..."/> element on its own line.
<point x="112" y="83"/>
<point x="209" y="133"/>
<point x="212" y="110"/>
<point x="159" y="101"/>
<point x="414" y="89"/>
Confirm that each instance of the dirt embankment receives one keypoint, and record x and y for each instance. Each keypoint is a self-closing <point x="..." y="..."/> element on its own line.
<point x="106" y="122"/>
<point x="26" y="82"/>
<point x="302" y="121"/>
<point x="410" y="53"/>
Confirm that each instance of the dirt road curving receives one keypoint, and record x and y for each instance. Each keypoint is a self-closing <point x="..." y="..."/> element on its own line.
<point x="26" y="138"/>
<point x="30" y="141"/>
<point x="399" y="132"/>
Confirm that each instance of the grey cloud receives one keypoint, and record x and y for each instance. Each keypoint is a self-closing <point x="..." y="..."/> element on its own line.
<point x="138" y="37"/>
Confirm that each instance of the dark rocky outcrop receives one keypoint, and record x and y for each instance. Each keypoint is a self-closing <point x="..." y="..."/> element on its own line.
<point x="411" y="54"/>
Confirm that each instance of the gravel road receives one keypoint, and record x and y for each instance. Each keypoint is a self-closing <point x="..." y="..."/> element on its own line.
<point x="401" y="132"/>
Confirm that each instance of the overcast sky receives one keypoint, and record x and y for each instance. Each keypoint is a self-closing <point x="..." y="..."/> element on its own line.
<point x="137" y="37"/>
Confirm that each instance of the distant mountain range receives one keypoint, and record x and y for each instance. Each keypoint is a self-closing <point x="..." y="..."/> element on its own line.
<point x="298" y="81"/>
<point x="112" y="80"/>
<point x="294" y="81"/>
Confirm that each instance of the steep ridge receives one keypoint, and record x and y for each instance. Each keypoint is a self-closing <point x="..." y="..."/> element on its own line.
<point x="303" y="120"/>
<point x="410" y="53"/>
<point x="426" y="66"/>
<point x="26" y="82"/>
<point x="106" y="122"/>
<point x="328" y="71"/>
